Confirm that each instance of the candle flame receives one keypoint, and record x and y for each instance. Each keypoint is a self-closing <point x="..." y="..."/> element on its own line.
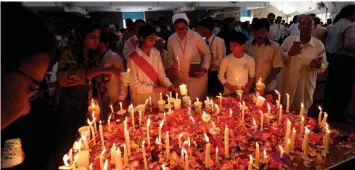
<point x="100" y="122"/>
<point x="277" y="92"/>
<point x="226" y="127"/>
<point x="183" y="150"/>
<point x="320" y="108"/>
<point x="254" y="123"/>
<point x="257" y="144"/>
<point x="306" y="129"/>
<point x="268" y="107"/>
<point x="216" y="106"/>
<point x="103" y="152"/>
<point x="157" y="140"/>
<point x="180" y="135"/>
<point x="109" y="118"/>
<point x="90" y="167"/>
<point x="302" y="105"/>
<point x="92" y="103"/>
<point x="302" y="118"/>
<point x="167" y="96"/>
<point x="265" y="155"/>
<point x="89" y="123"/>
<point x="213" y="124"/>
<point x="161" y="124"/>
<point x="293" y="130"/>
<point x="118" y="149"/>
<point x="148" y="123"/>
<point x="288" y="141"/>
<point x="105" y="164"/>
<point x="250" y="158"/>
<point x="197" y="99"/>
<point x="261" y="112"/>
<point x="65" y="159"/>
<point x="193" y="120"/>
<point x="216" y="149"/>
<point x="281" y="149"/>
<point x="206" y="138"/>
<point x="208" y="99"/>
<point x="230" y="112"/>
<point x="113" y="145"/>
<point x="287" y="95"/>
<point x="143" y="142"/>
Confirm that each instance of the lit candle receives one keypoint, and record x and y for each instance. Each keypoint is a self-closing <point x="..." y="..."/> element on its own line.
<point x="125" y="154"/>
<point x="66" y="164"/>
<point x="186" y="161"/>
<point x="167" y="145"/>
<point x="261" y="123"/>
<point x="268" y="109"/>
<point x="255" y="125"/>
<point x="183" y="89"/>
<point x="109" y="123"/>
<point x="121" y="108"/>
<point x="293" y="139"/>
<point x="193" y="120"/>
<point x="171" y="95"/>
<point x="113" y="153"/>
<point x="105" y="165"/>
<point x="180" y="142"/>
<point x="250" y="166"/>
<point x="226" y="142"/>
<point x="281" y="151"/>
<point x="265" y="157"/>
<point x="128" y="141"/>
<point x="278" y="98"/>
<point x="287" y="103"/>
<point x="131" y="109"/>
<point x="92" y="131"/>
<point x="326" y="139"/>
<point x="160" y="129"/>
<point x="90" y="167"/>
<point x="259" y="101"/>
<point x="94" y="121"/>
<point x="220" y="100"/>
<point x="140" y="117"/>
<point x="207" y="152"/>
<point x="118" y="159"/>
<point x="319" y="115"/>
<point x="230" y="113"/>
<point x="112" y="111"/>
<point x="161" y="96"/>
<point x="287" y="147"/>
<point x="101" y="158"/>
<point x="302" y="109"/>
<point x="148" y="135"/>
<point x="302" y="126"/>
<point x="260" y="86"/>
<point x="217" y="108"/>
<point x="324" y="121"/>
<point x="288" y="131"/>
<point x="150" y="101"/>
<point x="178" y="62"/>
<point x="280" y="114"/>
<point x="182" y="154"/>
<point x="144" y="156"/>
<point x="101" y="135"/>
<point x="216" y="155"/>
<point x="305" y="143"/>
<point x="257" y="153"/>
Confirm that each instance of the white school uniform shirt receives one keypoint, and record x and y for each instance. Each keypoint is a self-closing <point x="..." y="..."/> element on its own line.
<point x="192" y="49"/>
<point x="277" y="31"/>
<point x="293" y="29"/>
<point x="299" y="80"/>
<point x="233" y="68"/>
<point x="141" y="84"/>
<point x="218" y="50"/>
<point x="115" y="88"/>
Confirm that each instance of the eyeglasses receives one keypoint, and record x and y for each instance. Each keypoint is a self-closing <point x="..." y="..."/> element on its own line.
<point x="42" y="86"/>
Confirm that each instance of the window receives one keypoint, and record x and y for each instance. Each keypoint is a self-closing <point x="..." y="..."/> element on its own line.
<point x="245" y="15"/>
<point x="133" y="15"/>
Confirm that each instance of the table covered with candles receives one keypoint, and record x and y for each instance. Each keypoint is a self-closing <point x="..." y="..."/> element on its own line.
<point x="224" y="132"/>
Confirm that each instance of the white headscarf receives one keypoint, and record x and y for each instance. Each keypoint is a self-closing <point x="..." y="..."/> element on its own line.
<point x="181" y="16"/>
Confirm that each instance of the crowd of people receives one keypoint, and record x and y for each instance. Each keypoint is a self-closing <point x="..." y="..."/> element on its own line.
<point x="211" y="57"/>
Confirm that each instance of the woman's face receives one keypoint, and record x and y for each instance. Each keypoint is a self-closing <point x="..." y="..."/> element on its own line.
<point x="20" y="87"/>
<point x="149" y="41"/>
<point x="181" y="29"/>
<point x="92" y="39"/>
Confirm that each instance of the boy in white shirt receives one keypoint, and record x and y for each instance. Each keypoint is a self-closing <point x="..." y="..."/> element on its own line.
<point x="237" y="70"/>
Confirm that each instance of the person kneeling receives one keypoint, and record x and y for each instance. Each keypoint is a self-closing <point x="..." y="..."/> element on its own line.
<point x="147" y="75"/>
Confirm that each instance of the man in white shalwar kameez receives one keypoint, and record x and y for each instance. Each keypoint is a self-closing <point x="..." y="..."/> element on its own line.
<point x="185" y="47"/>
<point x="304" y="58"/>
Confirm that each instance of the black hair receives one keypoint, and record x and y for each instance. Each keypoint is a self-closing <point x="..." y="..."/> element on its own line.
<point x="37" y="33"/>
<point x="279" y="17"/>
<point x="294" y="19"/>
<point x="237" y="37"/>
<point x="312" y="14"/>
<point x="207" y="23"/>
<point x="261" y="23"/>
<point x="138" y="21"/>
<point x="336" y="19"/>
<point x="271" y="14"/>
<point x="181" y="20"/>
<point x="146" y="30"/>
<point x="316" y="20"/>
<point x="104" y="38"/>
<point x="87" y="27"/>
<point x="347" y="11"/>
<point x="122" y="30"/>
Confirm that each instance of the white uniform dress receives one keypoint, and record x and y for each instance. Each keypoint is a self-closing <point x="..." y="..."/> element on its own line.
<point x="141" y="84"/>
<point x="299" y="80"/>
<point x="115" y="88"/>
<point x="192" y="49"/>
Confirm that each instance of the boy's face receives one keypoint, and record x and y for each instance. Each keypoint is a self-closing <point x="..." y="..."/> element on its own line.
<point x="236" y="48"/>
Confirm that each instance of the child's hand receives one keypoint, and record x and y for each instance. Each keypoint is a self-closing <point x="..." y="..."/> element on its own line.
<point x="316" y="64"/>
